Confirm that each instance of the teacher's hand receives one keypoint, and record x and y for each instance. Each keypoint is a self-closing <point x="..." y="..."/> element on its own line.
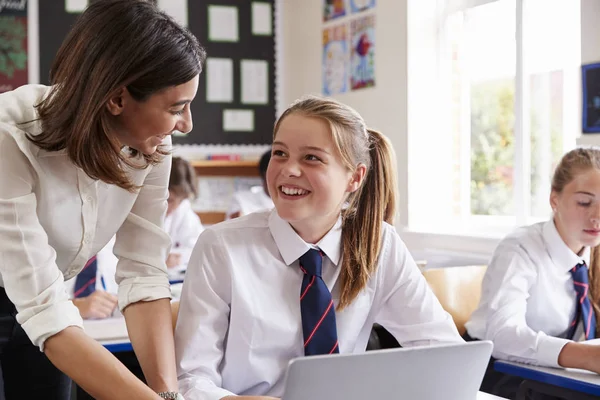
<point x="97" y="305"/>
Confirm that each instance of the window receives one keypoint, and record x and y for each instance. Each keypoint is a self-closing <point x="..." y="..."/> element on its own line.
<point x="493" y="105"/>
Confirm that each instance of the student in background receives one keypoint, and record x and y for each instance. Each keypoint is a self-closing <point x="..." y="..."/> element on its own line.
<point x="535" y="305"/>
<point x="181" y="223"/>
<point x="255" y="199"/>
<point x="80" y="161"/>
<point x="94" y="290"/>
<point x="257" y="286"/>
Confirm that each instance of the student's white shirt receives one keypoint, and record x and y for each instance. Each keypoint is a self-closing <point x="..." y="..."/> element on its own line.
<point x="239" y="320"/>
<point x="107" y="267"/>
<point x="528" y="300"/>
<point x="53" y="218"/>
<point x="248" y="201"/>
<point x="183" y="226"/>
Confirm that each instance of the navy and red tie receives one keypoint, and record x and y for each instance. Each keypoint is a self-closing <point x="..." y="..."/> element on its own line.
<point x="85" y="283"/>
<point x="584" y="303"/>
<point x="316" y="306"/>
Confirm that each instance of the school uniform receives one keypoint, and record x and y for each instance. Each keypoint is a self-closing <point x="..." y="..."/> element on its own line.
<point x="528" y="302"/>
<point x="53" y="219"/>
<point x="248" y="201"/>
<point x="106" y="267"/>
<point x="183" y="226"/>
<point x="240" y="319"/>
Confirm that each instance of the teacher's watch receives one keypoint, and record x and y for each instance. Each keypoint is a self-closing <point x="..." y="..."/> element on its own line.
<point x="171" y="395"/>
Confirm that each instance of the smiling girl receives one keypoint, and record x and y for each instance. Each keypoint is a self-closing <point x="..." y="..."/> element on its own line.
<point x="541" y="291"/>
<point x="313" y="275"/>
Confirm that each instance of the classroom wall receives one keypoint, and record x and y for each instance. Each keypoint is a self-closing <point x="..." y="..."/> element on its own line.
<point x="384" y="106"/>
<point x="590" y="50"/>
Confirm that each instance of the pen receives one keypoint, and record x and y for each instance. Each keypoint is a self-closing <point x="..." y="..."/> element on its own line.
<point x="103" y="283"/>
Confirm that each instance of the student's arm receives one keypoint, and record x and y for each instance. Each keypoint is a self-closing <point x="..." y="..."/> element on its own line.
<point x="580" y="355"/>
<point x="142" y="246"/>
<point x="508" y="280"/>
<point x="98" y="305"/>
<point x="409" y="309"/>
<point x="203" y="320"/>
<point x="35" y="285"/>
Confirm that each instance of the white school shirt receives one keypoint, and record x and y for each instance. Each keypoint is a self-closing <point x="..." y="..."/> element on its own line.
<point x="53" y="218"/>
<point x="184" y="227"/>
<point x="239" y="320"/>
<point x="106" y="262"/>
<point x="528" y="300"/>
<point x="248" y="201"/>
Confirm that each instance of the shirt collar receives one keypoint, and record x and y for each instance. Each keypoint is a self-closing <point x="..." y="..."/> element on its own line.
<point x="560" y="253"/>
<point x="291" y="246"/>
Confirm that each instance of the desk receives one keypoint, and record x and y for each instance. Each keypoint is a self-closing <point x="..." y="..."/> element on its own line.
<point x="486" y="396"/>
<point x="110" y="332"/>
<point x="572" y="384"/>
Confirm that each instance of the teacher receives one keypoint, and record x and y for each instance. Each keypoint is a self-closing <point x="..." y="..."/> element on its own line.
<point x="81" y="160"/>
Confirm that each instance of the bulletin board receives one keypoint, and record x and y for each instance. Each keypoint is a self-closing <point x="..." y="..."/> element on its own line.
<point x="235" y="103"/>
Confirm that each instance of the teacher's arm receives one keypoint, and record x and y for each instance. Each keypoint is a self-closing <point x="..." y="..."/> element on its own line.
<point x="142" y="247"/>
<point x="35" y="285"/>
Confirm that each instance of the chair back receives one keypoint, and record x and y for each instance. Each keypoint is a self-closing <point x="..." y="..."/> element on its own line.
<point x="458" y="290"/>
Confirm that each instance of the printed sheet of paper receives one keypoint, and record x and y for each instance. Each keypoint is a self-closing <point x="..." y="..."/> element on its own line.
<point x="262" y="19"/>
<point x="219" y="80"/>
<point x="255" y="81"/>
<point x="75" y="6"/>
<point x="177" y="9"/>
<point x="238" y="120"/>
<point x="223" y="24"/>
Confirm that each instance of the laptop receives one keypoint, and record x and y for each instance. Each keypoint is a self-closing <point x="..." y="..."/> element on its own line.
<point x="448" y="371"/>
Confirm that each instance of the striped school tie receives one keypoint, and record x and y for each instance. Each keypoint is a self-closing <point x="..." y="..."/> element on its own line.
<point x="316" y="307"/>
<point x="85" y="283"/>
<point x="584" y="303"/>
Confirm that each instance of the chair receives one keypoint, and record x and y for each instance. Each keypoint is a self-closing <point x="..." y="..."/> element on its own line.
<point x="458" y="289"/>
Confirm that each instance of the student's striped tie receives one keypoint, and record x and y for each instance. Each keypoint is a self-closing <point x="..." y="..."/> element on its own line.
<point x="85" y="283"/>
<point x="584" y="303"/>
<point x="316" y="306"/>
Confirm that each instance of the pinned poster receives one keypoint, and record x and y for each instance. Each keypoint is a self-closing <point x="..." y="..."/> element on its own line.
<point x="178" y="9"/>
<point x="255" y="81"/>
<point x="75" y="6"/>
<point x="361" y="5"/>
<point x="223" y="24"/>
<point x="334" y="9"/>
<point x="262" y="19"/>
<point x="362" y="61"/>
<point x="238" y="120"/>
<point x="13" y="47"/>
<point x="335" y="60"/>
<point x="219" y="80"/>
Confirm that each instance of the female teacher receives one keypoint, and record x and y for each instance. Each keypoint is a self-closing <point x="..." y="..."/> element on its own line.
<point x="80" y="161"/>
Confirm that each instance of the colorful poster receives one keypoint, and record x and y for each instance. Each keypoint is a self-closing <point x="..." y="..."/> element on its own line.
<point x="362" y="64"/>
<point x="333" y="9"/>
<point x="13" y="44"/>
<point x="335" y="60"/>
<point x="361" y="5"/>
